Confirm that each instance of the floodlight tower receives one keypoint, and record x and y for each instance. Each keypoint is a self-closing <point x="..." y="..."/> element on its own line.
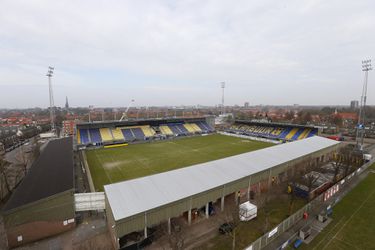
<point x="366" y="67"/>
<point x="51" y="101"/>
<point x="222" y="98"/>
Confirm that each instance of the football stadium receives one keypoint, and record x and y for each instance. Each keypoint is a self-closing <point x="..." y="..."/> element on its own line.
<point x="143" y="174"/>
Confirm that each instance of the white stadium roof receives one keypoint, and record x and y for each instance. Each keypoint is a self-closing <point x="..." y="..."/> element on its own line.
<point x="135" y="196"/>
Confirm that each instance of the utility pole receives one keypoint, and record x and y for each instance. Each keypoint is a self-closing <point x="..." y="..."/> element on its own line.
<point x="222" y="98"/>
<point x="366" y="67"/>
<point x="51" y="101"/>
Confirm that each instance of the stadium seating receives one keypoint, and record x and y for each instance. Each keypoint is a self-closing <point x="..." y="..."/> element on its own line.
<point x="298" y="133"/>
<point x="128" y="134"/>
<point x="164" y="129"/>
<point x="189" y="127"/>
<point x="84" y="136"/>
<point x="204" y="127"/>
<point x="95" y="135"/>
<point x="291" y="134"/>
<point x="312" y="133"/>
<point x="196" y="127"/>
<point x="78" y="137"/>
<point x="182" y="128"/>
<point x="304" y="134"/>
<point x="273" y="132"/>
<point x="106" y="134"/>
<point x="117" y="134"/>
<point x="148" y="131"/>
<point x="284" y="133"/>
<point x="174" y="129"/>
<point x="138" y="133"/>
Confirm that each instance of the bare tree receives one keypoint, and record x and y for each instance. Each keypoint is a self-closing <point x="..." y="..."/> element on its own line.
<point x="22" y="159"/>
<point x="35" y="148"/>
<point x="4" y="176"/>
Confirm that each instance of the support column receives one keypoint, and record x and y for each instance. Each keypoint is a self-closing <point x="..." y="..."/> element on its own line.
<point x="169" y="226"/>
<point x="222" y="203"/>
<point x="236" y="195"/>
<point x="207" y="210"/>
<point x="145" y="230"/>
<point x="249" y="189"/>
<point x="189" y="217"/>
<point x="269" y="180"/>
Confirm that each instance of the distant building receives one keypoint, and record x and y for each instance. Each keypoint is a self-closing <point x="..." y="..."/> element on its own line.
<point x="246" y="105"/>
<point x="68" y="127"/>
<point x="354" y="104"/>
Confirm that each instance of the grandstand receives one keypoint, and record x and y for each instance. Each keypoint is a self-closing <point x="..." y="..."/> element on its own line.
<point x="106" y="133"/>
<point x="274" y="131"/>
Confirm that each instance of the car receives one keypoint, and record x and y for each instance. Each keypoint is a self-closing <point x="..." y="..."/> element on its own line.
<point x="226" y="228"/>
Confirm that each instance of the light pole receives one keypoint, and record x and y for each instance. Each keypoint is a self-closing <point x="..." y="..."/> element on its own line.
<point x="51" y="101"/>
<point x="222" y="98"/>
<point x="366" y="67"/>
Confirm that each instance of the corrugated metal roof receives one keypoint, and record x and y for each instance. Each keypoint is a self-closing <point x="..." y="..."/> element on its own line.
<point x="139" y="195"/>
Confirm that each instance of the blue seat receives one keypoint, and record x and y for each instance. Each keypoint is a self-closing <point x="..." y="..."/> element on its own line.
<point x="95" y="135"/>
<point x="84" y="136"/>
<point x="138" y="133"/>
<point x="296" y="135"/>
<point x="127" y="134"/>
<point x="174" y="129"/>
<point x="182" y="128"/>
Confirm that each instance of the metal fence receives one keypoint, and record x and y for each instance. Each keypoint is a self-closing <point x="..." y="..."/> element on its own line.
<point x="267" y="238"/>
<point x="279" y="229"/>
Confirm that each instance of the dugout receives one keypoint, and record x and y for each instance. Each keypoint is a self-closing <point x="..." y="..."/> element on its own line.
<point x="43" y="204"/>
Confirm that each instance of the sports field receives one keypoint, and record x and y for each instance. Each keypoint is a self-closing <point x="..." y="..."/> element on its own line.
<point x="353" y="225"/>
<point x="137" y="160"/>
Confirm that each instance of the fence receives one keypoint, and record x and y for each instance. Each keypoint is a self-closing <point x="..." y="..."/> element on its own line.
<point x="267" y="238"/>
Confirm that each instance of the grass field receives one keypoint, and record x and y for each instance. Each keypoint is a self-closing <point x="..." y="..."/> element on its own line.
<point x="353" y="225"/>
<point x="137" y="160"/>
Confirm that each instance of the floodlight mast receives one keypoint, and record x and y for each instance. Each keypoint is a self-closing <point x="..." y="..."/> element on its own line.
<point x="366" y="67"/>
<point x="222" y="98"/>
<point x="51" y="100"/>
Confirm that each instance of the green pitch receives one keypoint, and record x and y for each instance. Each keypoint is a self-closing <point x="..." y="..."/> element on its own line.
<point x="137" y="160"/>
<point x="353" y="225"/>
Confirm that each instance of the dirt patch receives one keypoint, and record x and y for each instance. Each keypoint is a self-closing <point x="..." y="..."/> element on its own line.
<point x="98" y="242"/>
<point x="111" y="165"/>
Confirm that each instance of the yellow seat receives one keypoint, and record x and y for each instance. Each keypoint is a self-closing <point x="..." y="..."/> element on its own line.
<point x="106" y="134"/>
<point x="148" y="131"/>
<point x="165" y="130"/>
<point x="305" y="132"/>
<point x="291" y="134"/>
<point x="117" y="134"/>
<point x="78" y="136"/>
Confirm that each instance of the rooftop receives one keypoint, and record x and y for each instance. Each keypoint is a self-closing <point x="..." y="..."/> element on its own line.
<point x="135" y="196"/>
<point x="50" y="174"/>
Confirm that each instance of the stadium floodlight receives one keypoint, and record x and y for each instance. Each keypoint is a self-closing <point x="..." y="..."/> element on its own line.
<point x="366" y="67"/>
<point x="51" y="100"/>
<point x="222" y="97"/>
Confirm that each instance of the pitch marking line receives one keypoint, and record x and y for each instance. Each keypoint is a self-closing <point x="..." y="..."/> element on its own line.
<point x="350" y="218"/>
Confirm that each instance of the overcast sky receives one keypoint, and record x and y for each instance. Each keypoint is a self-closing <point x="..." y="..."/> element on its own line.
<point x="106" y="53"/>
